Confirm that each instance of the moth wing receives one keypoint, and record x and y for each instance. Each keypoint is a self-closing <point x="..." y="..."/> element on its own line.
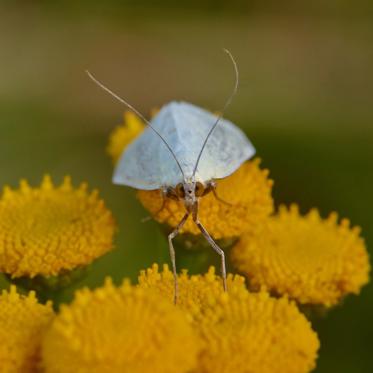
<point x="146" y="163"/>
<point x="226" y="149"/>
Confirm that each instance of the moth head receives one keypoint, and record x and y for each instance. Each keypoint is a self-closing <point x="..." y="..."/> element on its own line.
<point x="189" y="191"/>
<point x="190" y="198"/>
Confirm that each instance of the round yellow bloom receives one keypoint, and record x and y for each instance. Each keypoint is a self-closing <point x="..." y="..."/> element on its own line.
<point x="258" y="334"/>
<point x="23" y="322"/>
<point x="124" y="134"/>
<point x="120" y="329"/>
<point x="46" y="230"/>
<point x="312" y="260"/>
<point x="241" y="331"/>
<point x="247" y="194"/>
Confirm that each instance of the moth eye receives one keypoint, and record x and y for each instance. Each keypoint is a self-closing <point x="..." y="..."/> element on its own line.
<point x="179" y="189"/>
<point x="199" y="189"/>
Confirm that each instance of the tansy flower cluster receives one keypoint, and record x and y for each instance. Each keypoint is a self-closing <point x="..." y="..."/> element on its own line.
<point x="48" y="232"/>
<point x="137" y="328"/>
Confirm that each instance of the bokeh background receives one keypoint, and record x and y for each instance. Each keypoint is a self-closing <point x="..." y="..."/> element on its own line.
<point x="305" y="100"/>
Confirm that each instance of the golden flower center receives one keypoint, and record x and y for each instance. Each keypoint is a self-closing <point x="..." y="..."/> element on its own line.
<point x="311" y="259"/>
<point x="45" y="230"/>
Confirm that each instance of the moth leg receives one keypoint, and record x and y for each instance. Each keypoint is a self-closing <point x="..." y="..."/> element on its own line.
<point x="171" y="236"/>
<point x="163" y="193"/>
<point x="219" y="199"/>
<point x="215" y="247"/>
<point x="211" y="187"/>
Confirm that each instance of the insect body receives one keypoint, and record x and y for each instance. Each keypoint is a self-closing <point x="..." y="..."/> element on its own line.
<point x="148" y="164"/>
<point x="183" y="152"/>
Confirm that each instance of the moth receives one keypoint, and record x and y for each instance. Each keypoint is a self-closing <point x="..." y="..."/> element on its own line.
<point x="183" y="152"/>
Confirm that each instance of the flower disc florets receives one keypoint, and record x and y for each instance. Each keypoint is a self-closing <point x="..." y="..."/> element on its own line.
<point x="120" y="329"/>
<point x="48" y="229"/>
<point x="240" y="331"/>
<point x="23" y="322"/>
<point x="310" y="259"/>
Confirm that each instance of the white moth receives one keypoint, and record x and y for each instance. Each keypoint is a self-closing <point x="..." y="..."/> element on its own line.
<point x="183" y="152"/>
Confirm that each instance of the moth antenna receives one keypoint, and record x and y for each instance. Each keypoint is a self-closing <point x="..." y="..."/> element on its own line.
<point x="101" y="85"/>
<point x="227" y="103"/>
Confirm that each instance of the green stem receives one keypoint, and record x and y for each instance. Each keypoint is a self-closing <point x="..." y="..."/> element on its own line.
<point x="49" y="288"/>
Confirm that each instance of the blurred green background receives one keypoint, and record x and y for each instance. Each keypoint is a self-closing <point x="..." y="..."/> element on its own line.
<point x="305" y="100"/>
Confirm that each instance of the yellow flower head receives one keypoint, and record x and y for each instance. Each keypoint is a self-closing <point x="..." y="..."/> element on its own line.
<point x="256" y="333"/>
<point x="124" y="134"/>
<point x="247" y="194"/>
<point x="120" y="329"/>
<point x="310" y="259"/>
<point x="23" y="322"/>
<point x="240" y="331"/>
<point x="48" y="229"/>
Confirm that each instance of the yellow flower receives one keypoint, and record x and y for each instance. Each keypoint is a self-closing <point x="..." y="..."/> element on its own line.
<point x="249" y="203"/>
<point x="308" y="258"/>
<point x="241" y="331"/>
<point x="124" y="134"/>
<point x="48" y="229"/>
<point x="23" y="322"/>
<point x="120" y="329"/>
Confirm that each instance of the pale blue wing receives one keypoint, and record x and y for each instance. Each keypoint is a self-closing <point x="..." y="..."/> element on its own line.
<point x="147" y="163"/>
<point x="227" y="148"/>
